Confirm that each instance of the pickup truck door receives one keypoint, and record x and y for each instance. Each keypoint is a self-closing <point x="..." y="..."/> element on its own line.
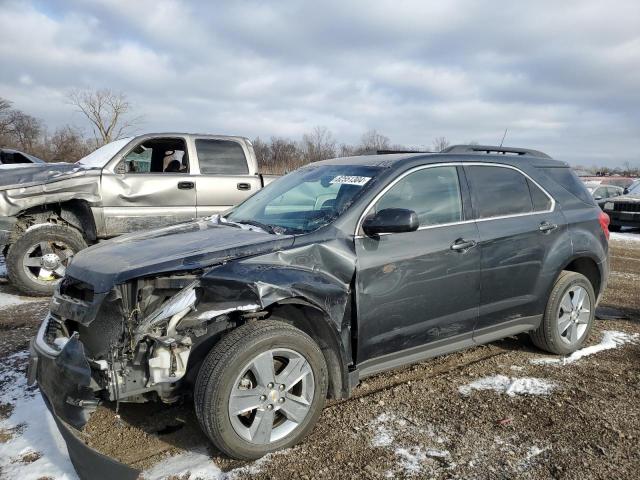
<point x="418" y="291"/>
<point x="225" y="177"/>
<point x="151" y="186"/>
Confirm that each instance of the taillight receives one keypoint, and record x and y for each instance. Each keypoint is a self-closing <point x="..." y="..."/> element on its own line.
<point x="603" y="218"/>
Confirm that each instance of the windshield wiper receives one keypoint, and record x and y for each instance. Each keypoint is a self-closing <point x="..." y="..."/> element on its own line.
<point x="255" y="223"/>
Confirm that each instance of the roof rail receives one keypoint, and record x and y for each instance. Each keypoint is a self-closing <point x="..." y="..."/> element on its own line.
<point x="488" y="149"/>
<point x="390" y="151"/>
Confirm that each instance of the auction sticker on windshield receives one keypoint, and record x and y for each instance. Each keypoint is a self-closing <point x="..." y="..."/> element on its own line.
<point x="351" y="180"/>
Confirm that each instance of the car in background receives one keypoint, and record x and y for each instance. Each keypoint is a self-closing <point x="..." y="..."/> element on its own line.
<point x="601" y="192"/>
<point x="9" y="156"/>
<point x="617" y="180"/>
<point x="624" y="211"/>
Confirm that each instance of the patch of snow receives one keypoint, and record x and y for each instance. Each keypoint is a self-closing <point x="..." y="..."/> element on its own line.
<point x="413" y="458"/>
<point x="510" y="385"/>
<point x="194" y="464"/>
<point x="384" y="435"/>
<point x="33" y="429"/>
<point x="517" y="368"/>
<point x="7" y="300"/>
<point x="610" y="339"/>
<point x="198" y="465"/>
<point x="625" y="236"/>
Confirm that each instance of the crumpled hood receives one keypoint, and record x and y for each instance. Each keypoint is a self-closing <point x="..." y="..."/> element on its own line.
<point x="28" y="174"/>
<point x="182" y="247"/>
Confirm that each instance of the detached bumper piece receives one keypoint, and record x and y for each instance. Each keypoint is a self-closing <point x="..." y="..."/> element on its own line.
<point x="63" y="382"/>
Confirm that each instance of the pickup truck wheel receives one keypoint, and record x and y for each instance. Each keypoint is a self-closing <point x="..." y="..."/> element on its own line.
<point x="38" y="259"/>
<point x="569" y="315"/>
<point x="260" y="389"/>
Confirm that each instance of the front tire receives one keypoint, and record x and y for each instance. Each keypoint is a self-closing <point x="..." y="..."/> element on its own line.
<point x="260" y="389"/>
<point x="38" y="260"/>
<point x="569" y="316"/>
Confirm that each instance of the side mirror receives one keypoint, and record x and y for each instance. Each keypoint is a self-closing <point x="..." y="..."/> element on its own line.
<point x="391" y="220"/>
<point x="625" y="191"/>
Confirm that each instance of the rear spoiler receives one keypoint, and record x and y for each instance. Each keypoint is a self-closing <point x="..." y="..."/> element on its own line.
<point x="488" y="149"/>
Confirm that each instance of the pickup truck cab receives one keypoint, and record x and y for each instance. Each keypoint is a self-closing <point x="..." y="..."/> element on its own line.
<point x="48" y="212"/>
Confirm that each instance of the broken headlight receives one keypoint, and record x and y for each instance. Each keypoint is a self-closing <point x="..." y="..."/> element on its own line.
<point x="180" y="304"/>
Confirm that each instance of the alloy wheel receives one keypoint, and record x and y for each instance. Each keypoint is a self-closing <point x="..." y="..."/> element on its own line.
<point x="271" y="396"/>
<point x="47" y="261"/>
<point x="574" y="314"/>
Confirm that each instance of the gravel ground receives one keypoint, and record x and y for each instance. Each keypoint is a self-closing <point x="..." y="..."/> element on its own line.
<point x="583" y="423"/>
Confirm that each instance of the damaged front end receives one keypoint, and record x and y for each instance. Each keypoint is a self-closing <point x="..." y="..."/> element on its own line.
<point x="131" y="344"/>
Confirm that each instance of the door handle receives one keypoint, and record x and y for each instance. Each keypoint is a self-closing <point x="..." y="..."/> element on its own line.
<point x="461" y="245"/>
<point x="244" y="186"/>
<point x="546" y="227"/>
<point x="186" y="185"/>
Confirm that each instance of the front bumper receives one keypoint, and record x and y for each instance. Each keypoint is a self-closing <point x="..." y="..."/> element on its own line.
<point x="64" y="386"/>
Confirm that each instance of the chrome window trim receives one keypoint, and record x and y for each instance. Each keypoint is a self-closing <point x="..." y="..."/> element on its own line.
<point x="455" y="164"/>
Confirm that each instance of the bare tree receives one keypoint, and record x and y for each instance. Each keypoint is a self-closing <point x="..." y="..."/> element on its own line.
<point x="5" y="110"/>
<point x="440" y="143"/>
<point x="318" y="145"/>
<point x="372" y="141"/>
<point x="106" y="110"/>
<point x="67" y="144"/>
<point x="25" y="128"/>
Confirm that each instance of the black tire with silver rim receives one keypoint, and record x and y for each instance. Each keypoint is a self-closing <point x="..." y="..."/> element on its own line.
<point x="260" y="389"/>
<point x="38" y="260"/>
<point x="569" y="315"/>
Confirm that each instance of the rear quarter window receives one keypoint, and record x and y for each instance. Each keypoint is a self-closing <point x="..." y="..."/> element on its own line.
<point x="567" y="179"/>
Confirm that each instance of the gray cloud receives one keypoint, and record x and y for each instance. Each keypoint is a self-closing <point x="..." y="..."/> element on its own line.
<point x="562" y="76"/>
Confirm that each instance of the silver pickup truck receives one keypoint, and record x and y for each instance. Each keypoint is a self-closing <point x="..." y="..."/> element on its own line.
<point x="48" y="212"/>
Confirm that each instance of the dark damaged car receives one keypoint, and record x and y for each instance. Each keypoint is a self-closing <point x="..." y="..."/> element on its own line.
<point x="624" y="210"/>
<point x="340" y="270"/>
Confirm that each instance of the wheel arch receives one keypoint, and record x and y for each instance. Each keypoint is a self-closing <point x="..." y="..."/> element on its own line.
<point x="75" y="213"/>
<point x="588" y="267"/>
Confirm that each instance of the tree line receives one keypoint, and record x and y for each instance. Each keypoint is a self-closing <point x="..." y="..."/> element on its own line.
<point x="109" y="114"/>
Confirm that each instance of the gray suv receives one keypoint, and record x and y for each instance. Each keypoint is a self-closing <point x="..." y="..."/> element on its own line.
<point x="340" y="270"/>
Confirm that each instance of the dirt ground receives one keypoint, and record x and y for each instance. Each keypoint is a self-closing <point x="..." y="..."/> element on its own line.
<point x="416" y="423"/>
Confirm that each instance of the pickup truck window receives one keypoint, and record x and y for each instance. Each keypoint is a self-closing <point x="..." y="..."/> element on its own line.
<point x="221" y="157"/>
<point x="159" y="155"/>
<point x="306" y="199"/>
<point x="433" y="193"/>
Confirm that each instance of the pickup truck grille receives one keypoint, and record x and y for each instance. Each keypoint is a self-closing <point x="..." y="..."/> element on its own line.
<point x="627" y="207"/>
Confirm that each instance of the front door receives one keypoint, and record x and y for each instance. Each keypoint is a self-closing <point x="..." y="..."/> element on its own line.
<point x="152" y="186"/>
<point x="422" y="287"/>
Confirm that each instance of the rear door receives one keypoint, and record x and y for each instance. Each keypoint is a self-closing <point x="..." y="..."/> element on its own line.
<point x="153" y="185"/>
<point x="416" y="289"/>
<point x="225" y="179"/>
<point x="518" y="227"/>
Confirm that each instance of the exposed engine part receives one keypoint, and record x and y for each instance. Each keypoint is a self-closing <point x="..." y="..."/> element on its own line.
<point x="168" y="363"/>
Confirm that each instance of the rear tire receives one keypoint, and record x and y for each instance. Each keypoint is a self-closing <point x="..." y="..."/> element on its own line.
<point x="260" y="389"/>
<point x="37" y="261"/>
<point x="569" y="316"/>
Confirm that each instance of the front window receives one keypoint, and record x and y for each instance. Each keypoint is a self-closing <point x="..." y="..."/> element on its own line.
<point x="306" y="199"/>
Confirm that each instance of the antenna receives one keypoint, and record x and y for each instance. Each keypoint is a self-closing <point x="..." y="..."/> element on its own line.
<point x="503" y="136"/>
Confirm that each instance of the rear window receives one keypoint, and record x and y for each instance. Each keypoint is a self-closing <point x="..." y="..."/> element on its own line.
<point x="221" y="157"/>
<point x="499" y="191"/>
<point x="568" y="180"/>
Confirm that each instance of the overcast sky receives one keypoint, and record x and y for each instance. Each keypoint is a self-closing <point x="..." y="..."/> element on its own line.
<point x="562" y="76"/>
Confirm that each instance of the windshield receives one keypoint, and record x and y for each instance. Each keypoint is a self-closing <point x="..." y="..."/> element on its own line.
<point x="635" y="188"/>
<point x="306" y="199"/>
<point x="101" y="156"/>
